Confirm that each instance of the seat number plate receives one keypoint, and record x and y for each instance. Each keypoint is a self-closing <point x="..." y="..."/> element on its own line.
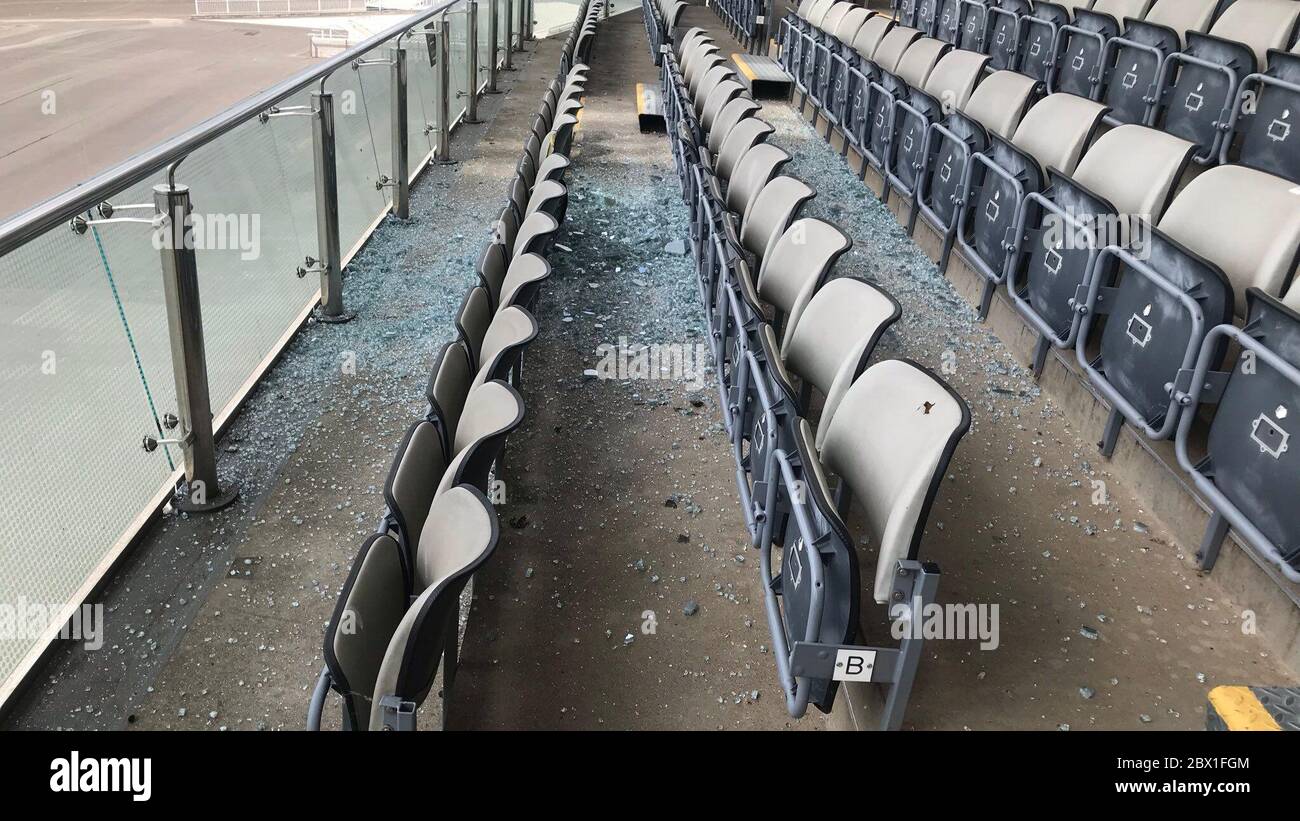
<point x="854" y="665"/>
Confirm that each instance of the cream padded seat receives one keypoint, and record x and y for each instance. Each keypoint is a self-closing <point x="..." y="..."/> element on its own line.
<point x="743" y="136"/>
<point x="449" y="553"/>
<point x="1057" y="130"/>
<point x="890" y="441"/>
<point x="892" y="48"/>
<point x="1245" y="221"/>
<point x="954" y="77"/>
<point x="770" y="212"/>
<point x="919" y="60"/>
<point x="754" y="170"/>
<point x="871" y="34"/>
<point x="797" y="264"/>
<point x="512" y="328"/>
<point x="522" y="279"/>
<point x="732" y="113"/>
<point x="828" y="342"/>
<point x="999" y="102"/>
<point x="1182" y="16"/>
<point x="1135" y="168"/>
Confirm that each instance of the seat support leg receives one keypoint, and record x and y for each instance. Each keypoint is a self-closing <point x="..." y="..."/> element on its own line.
<point x="1040" y="356"/>
<point x="924" y="591"/>
<point x="1215" y="532"/>
<point x="1114" y="424"/>
<point x="986" y="297"/>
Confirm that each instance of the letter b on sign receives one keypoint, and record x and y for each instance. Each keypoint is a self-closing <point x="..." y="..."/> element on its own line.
<point x="854" y="665"/>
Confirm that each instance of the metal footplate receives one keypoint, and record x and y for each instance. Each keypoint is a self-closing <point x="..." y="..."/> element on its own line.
<point x="649" y="108"/>
<point x="764" y="75"/>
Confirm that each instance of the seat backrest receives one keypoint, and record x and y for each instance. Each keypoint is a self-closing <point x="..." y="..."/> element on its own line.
<point x="721" y="94"/>
<point x="743" y="136"/>
<point x="871" y="33"/>
<point x="561" y="136"/>
<point x="553" y="167"/>
<point x="449" y="382"/>
<point x="1245" y="221"/>
<point x="473" y="319"/>
<point x="526" y="273"/>
<point x="1120" y="9"/>
<point x="831" y="20"/>
<point x="954" y="77"/>
<point x="819" y="11"/>
<point x="1259" y="24"/>
<point x="720" y="73"/>
<point x="701" y="69"/>
<point x="1057" y="130"/>
<point x="535" y="234"/>
<point x="1182" y="15"/>
<point x="490" y="408"/>
<point x="496" y="409"/>
<point x="805" y="6"/>
<point x="492" y="268"/>
<point x="894" y="45"/>
<point x="797" y="264"/>
<point x="518" y="193"/>
<point x="511" y="330"/>
<point x="998" y="103"/>
<point x="830" y="340"/>
<point x="370" y="606"/>
<point x="919" y="60"/>
<point x="849" y="24"/>
<point x="1135" y="169"/>
<point x="758" y="165"/>
<point x="733" y="112"/>
<point x="770" y="212"/>
<point x="549" y="197"/>
<point x="466" y="534"/>
<point x="413" y="479"/>
<point x="890" y="441"/>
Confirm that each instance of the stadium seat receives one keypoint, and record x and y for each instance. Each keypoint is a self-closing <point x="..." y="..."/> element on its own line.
<point x="536" y="234"/>
<point x="472" y="321"/>
<point x="1126" y="176"/>
<point x="449" y="382"/>
<point x="1263" y="134"/>
<point x="492" y="411"/>
<point x="746" y="134"/>
<point x="1052" y="134"/>
<point x="1246" y="468"/>
<point x="737" y="109"/>
<point x="889" y="444"/>
<point x="523" y="281"/>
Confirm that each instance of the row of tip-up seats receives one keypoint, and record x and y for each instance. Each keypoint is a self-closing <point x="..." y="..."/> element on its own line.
<point x="397" y="620"/>
<point x="1148" y="218"/>
<point x="784" y="333"/>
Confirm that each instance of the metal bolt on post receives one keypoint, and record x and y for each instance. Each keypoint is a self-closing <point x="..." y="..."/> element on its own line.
<point x="330" y="262"/>
<point x="189" y="360"/>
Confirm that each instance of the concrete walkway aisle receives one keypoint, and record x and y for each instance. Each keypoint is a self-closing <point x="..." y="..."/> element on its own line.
<point x="620" y="517"/>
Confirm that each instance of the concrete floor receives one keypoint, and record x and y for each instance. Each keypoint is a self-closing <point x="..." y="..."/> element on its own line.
<point x="620" y="502"/>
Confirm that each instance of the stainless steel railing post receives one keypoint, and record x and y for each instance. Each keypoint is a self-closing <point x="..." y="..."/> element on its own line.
<point x="330" y="255"/>
<point x="443" y="151"/>
<point x="525" y="24"/>
<point x="401" y="148"/>
<point x="508" y="57"/>
<point x="471" y="61"/>
<point x="189" y="361"/>
<point x="493" y="49"/>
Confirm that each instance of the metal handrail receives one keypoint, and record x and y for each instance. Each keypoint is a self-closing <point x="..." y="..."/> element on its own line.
<point x="38" y="219"/>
